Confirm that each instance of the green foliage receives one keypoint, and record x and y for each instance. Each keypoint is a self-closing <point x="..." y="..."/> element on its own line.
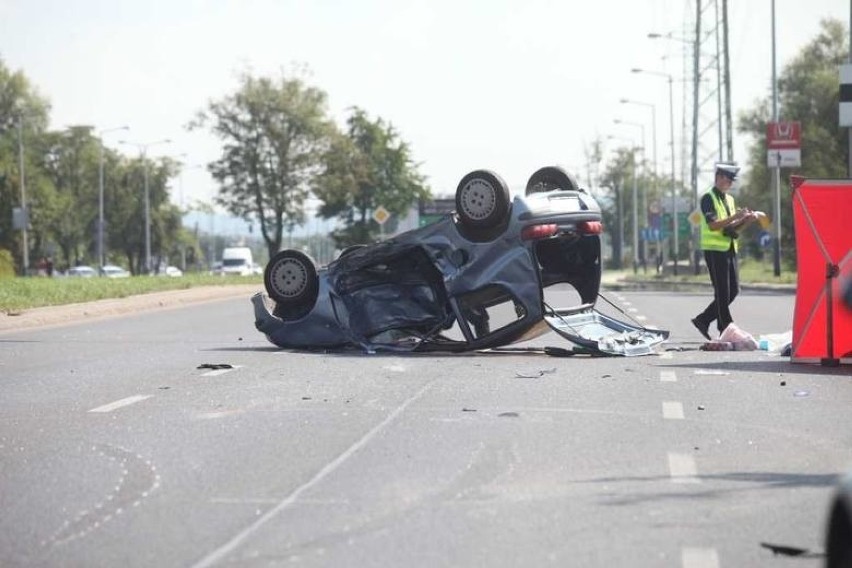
<point x="25" y="293"/>
<point x="7" y="264"/>
<point x="20" y="106"/>
<point x="61" y="175"/>
<point x="808" y="92"/>
<point x="275" y="133"/>
<point x="366" y="168"/>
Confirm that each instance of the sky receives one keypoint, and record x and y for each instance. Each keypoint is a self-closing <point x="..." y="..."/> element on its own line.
<point x="507" y="85"/>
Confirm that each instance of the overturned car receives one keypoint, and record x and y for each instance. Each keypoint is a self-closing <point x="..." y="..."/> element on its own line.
<point x="477" y="274"/>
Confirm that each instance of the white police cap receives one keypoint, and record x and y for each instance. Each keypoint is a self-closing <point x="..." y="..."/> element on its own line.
<point x="728" y="169"/>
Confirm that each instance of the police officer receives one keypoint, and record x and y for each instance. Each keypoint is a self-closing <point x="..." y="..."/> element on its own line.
<point x="720" y="223"/>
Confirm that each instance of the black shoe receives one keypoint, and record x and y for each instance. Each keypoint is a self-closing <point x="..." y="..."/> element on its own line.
<point x="702" y="329"/>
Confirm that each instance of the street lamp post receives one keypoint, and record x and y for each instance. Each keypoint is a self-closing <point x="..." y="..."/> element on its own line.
<point x="24" y="213"/>
<point x="671" y="135"/>
<point x="635" y="194"/>
<point x="101" y="252"/>
<point x="620" y="202"/>
<point x="143" y="148"/>
<point x="653" y="108"/>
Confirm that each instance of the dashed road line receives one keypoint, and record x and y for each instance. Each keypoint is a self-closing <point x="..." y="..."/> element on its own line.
<point x="672" y="410"/>
<point x="699" y="558"/>
<point x="121" y="403"/>
<point x="682" y="468"/>
<point x="668" y="377"/>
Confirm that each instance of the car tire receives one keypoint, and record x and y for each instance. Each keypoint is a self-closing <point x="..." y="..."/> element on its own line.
<point x="482" y="200"/>
<point x="291" y="280"/>
<point x="550" y="178"/>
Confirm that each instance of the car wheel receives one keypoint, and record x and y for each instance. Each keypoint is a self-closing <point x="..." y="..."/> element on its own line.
<point x="291" y="278"/>
<point x="482" y="200"/>
<point x="551" y="178"/>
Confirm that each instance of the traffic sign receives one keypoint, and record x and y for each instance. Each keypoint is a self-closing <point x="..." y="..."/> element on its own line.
<point x="784" y="144"/>
<point x="381" y="215"/>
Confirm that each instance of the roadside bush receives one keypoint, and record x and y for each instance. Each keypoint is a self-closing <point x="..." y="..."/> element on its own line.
<point x="7" y="264"/>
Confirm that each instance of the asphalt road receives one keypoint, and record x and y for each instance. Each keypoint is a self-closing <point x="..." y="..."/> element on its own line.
<point x="117" y="450"/>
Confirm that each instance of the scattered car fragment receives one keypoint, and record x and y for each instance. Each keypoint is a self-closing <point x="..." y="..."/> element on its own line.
<point x="479" y="272"/>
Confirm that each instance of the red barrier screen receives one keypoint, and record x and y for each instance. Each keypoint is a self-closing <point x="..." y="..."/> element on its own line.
<point x="822" y="323"/>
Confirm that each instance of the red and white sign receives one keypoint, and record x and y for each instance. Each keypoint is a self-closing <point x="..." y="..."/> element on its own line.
<point x="784" y="144"/>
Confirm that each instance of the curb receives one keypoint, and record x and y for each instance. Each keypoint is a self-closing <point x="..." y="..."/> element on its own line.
<point x="675" y="286"/>
<point x="68" y="314"/>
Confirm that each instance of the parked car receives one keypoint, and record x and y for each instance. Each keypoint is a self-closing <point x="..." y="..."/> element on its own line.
<point x="838" y="541"/>
<point x="491" y="257"/>
<point x="113" y="271"/>
<point x="173" y="272"/>
<point x="81" y="272"/>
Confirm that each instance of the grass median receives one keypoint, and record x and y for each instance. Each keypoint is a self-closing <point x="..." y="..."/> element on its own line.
<point x="25" y="293"/>
<point x="751" y="271"/>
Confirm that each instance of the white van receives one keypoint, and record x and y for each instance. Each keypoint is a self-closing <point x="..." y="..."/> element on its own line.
<point x="237" y="260"/>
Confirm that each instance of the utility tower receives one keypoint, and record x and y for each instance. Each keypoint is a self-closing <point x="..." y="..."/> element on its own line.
<point x="712" y="128"/>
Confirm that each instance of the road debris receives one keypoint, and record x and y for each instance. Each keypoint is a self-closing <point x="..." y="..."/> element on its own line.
<point x="533" y="374"/>
<point x="780" y="549"/>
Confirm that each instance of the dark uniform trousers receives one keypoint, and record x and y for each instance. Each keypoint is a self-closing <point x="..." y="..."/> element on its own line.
<point x="723" y="275"/>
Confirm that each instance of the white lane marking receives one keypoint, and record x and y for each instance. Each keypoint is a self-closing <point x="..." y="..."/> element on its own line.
<point x="699" y="558"/>
<point x="632" y="310"/>
<point x="217" y="372"/>
<point x="221" y="552"/>
<point x="682" y="468"/>
<point x="120" y="403"/>
<point x="672" y="410"/>
<point x="668" y="377"/>
<point x="641" y="318"/>
<point x="666" y="355"/>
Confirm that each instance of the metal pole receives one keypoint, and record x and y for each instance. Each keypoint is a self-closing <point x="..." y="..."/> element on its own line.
<point x="147" y="215"/>
<point x="101" y="247"/>
<point x="635" y="219"/>
<point x="101" y="205"/>
<point x="635" y="206"/>
<point x="696" y="83"/>
<point x="24" y="210"/>
<point x="849" y="135"/>
<point x="776" y="173"/>
<point x="654" y="144"/>
<point x="729" y="123"/>
<point x="674" y="196"/>
<point x="143" y="154"/>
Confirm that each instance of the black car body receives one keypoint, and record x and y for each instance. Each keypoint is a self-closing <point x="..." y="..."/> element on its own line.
<point x="838" y="538"/>
<point x="491" y="256"/>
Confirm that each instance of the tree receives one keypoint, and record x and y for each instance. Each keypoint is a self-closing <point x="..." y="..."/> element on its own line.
<point x="808" y="91"/>
<point x="70" y="163"/>
<point x="366" y="168"/>
<point x="20" y="103"/>
<point x="618" y="173"/>
<point x="126" y="211"/>
<point x="275" y="133"/>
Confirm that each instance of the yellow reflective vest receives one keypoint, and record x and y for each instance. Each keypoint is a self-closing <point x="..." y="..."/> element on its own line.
<point x="716" y="240"/>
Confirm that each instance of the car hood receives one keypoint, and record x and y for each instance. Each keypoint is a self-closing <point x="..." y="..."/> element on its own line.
<point x="596" y="332"/>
